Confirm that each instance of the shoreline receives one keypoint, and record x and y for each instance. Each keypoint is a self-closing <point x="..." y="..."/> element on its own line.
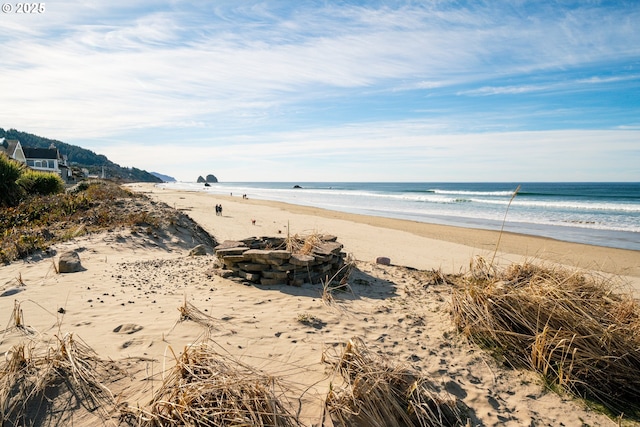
<point x="479" y="242"/>
<point x="543" y="211"/>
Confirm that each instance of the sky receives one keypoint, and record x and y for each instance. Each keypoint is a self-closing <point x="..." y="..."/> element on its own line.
<point x="297" y="91"/>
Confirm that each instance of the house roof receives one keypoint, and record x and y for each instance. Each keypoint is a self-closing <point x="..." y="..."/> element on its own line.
<point x="9" y="146"/>
<point x="40" y="153"/>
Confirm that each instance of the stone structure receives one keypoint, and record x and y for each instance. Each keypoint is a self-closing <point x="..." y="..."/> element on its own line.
<point x="267" y="261"/>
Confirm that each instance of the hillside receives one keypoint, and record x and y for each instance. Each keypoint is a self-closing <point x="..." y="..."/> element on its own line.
<point x="82" y="158"/>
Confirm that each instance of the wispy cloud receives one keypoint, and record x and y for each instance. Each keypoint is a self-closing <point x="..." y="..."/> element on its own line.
<point x="396" y="151"/>
<point x="97" y="72"/>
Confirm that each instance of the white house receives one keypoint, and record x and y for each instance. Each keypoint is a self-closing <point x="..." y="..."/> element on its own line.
<point x="43" y="159"/>
<point x="13" y="149"/>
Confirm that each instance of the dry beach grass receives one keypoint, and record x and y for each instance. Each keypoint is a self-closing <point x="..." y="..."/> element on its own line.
<point x="575" y="329"/>
<point x="147" y="335"/>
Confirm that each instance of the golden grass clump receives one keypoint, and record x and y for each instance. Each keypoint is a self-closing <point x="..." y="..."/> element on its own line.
<point x="571" y="327"/>
<point x="379" y="393"/>
<point x="17" y="316"/>
<point x="303" y="245"/>
<point x="205" y="389"/>
<point x="189" y="311"/>
<point x="31" y="382"/>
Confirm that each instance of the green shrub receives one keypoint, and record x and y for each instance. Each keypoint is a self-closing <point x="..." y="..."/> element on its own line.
<point x="41" y="183"/>
<point x="10" y="171"/>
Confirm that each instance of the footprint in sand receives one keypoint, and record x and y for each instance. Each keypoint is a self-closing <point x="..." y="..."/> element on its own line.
<point x="11" y="291"/>
<point x="127" y="328"/>
<point x="131" y="343"/>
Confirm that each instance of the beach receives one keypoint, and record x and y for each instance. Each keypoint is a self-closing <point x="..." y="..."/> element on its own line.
<point x="125" y="305"/>
<point x="408" y="243"/>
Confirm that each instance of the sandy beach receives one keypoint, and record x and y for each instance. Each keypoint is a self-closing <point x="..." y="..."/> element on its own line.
<point x="125" y="306"/>
<point x="409" y="243"/>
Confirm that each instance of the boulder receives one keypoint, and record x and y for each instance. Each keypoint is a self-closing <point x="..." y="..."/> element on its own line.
<point x="69" y="262"/>
<point x="211" y="178"/>
<point x="200" y="180"/>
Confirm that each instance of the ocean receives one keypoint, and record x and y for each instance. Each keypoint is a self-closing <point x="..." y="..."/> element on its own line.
<point x="603" y="214"/>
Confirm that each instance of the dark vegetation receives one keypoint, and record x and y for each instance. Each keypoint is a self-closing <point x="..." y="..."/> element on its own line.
<point x="17" y="182"/>
<point x="39" y="221"/>
<point x="82" y="158"/>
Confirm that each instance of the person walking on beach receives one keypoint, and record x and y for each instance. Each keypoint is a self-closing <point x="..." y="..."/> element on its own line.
<point x="217" y="210"/>
<point x="220" y="209"/>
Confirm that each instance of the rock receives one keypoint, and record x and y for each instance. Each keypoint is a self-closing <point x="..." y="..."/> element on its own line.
<point x="301" y="260"/>
<point x="200" y="180"/>
<point x="198" y="251"/>
<point x="296" y="186"/>
<point x="281" y="275"/>
<point x="69" y="262"/>
<point x="252" y="277"/>
<point x="328" y="248"/>
<point x="233" y="259"/>
<point x="253" y="267"/>
<point x="383" y="260"/>
<point x="231" y="244"/>
<point x="257" y="254"/>
<point x="212" y="178"/>
<point x="279" y="254"/>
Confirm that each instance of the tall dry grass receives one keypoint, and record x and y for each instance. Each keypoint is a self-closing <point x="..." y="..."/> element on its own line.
<point x="573" y="328"/>
<point x="188" y="311"/>
<point x="381" y="393"/>
<point x="207" y="389"/>
<point x="31" y="378"/>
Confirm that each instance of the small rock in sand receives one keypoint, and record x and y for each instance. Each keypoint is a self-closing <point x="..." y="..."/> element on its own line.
<point x="383" y="260"/>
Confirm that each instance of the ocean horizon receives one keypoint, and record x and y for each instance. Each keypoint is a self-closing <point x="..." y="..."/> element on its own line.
<point x="596" y="213"/>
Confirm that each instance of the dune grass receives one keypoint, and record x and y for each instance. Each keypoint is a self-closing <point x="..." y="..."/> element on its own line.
<point x="208" y="389"/>
<point x="383" y="393"/>
<point x="574" y="328"/>
<point x="40" y="221"/>
<point x="31" y="377"/>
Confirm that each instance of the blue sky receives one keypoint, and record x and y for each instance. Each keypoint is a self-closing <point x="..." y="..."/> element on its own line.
<point x="437" y="90"/>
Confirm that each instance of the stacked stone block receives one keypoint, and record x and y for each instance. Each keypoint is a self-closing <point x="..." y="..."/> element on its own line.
<point x="265" y="260"/>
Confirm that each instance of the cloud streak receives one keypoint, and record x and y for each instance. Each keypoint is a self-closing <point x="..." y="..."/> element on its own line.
<point x="147" y="73"/>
